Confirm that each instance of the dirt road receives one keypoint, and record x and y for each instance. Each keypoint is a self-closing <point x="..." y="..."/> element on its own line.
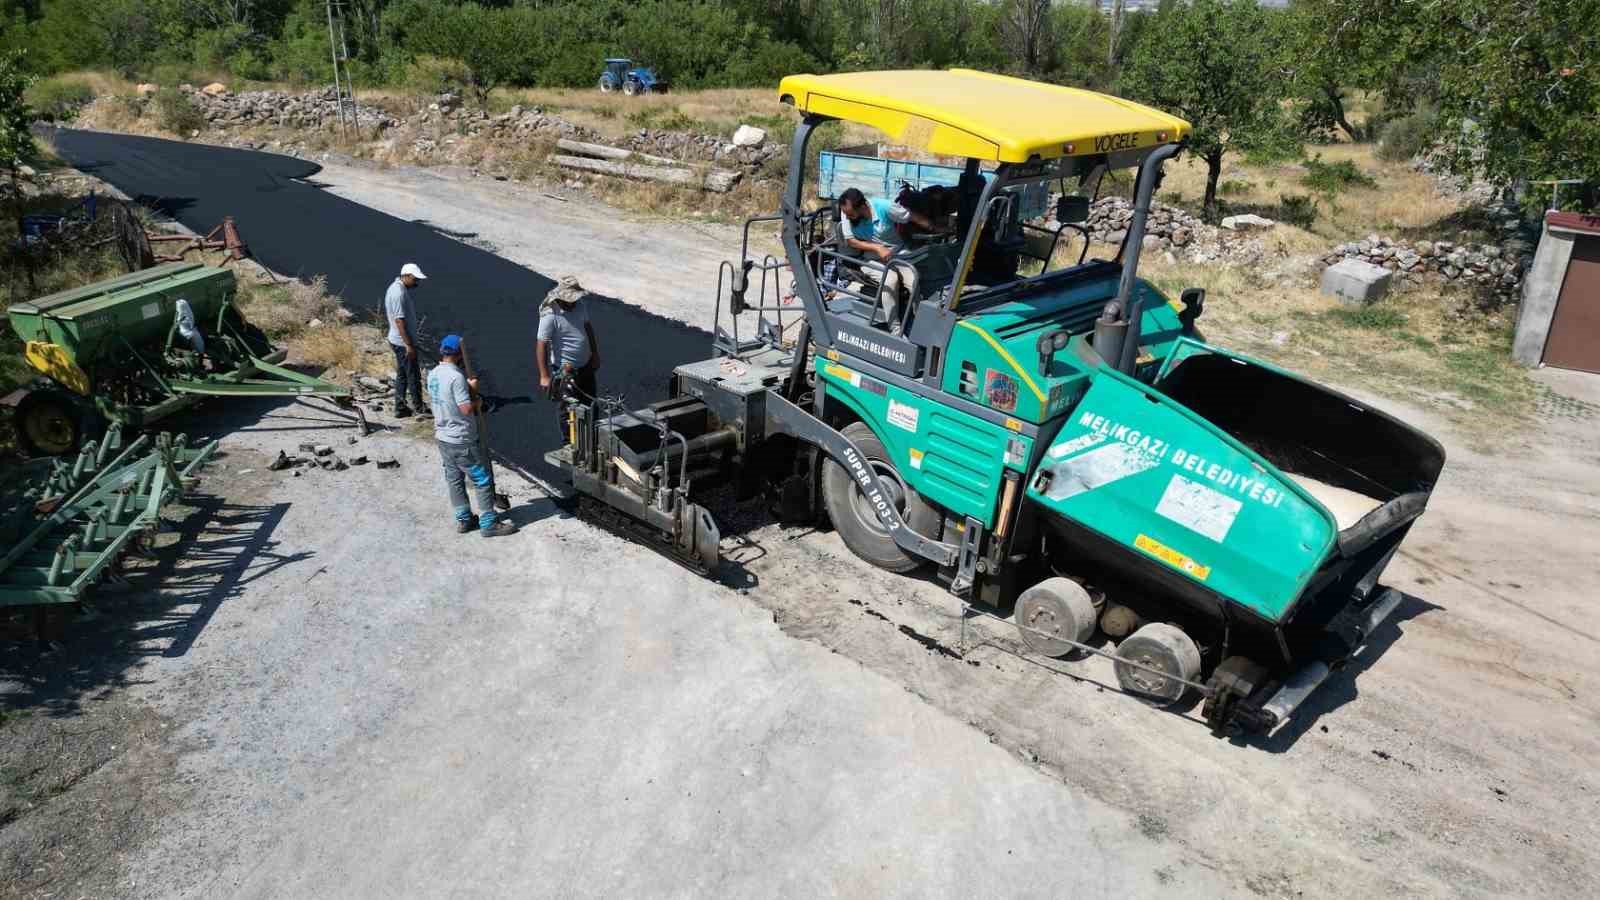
<point x="377" y="706"/>
<point x="1429" y="772"/>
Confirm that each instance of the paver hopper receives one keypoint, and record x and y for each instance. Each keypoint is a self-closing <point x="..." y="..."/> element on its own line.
<point x="116" y="352"/>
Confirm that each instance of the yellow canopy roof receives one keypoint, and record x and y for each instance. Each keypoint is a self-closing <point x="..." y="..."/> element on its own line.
<point x="980" y="115"/>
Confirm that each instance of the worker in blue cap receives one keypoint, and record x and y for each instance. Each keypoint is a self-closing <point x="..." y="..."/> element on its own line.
<point x="455" y="401"/>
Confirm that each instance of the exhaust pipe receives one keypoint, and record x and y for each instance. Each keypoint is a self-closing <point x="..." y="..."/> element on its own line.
<point x="1303" y="683"/>
<point x="1122" y="354"/>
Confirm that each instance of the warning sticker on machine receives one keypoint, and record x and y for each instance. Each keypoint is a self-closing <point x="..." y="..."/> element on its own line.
<point x="903" y="415"/>
<point x="1199" y="508"/>
<point x="1171" y="557"/>
<point x="916" y="458"/>
<point x="844" y="374"/>
<point x="150" y="310"/>
<point x="1098" y="468"/>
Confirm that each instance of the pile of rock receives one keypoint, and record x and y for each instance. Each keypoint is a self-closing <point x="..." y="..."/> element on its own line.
<point x="1171" y="228"/>
<point x="1494" y="270"/>
<point x="314" y="109"/>
<point x="748" y="147"/>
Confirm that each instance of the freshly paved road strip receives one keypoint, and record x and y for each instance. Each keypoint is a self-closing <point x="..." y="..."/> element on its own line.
<point x="296" y="228"/>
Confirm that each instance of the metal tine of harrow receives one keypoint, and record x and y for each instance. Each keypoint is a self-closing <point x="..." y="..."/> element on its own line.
<point x="62" y="564"/>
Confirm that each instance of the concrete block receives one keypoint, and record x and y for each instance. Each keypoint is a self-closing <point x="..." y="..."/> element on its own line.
<point x="1355" y="282"/>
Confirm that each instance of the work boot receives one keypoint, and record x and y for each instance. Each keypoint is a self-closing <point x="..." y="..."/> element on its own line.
<point x="463" y="526"/>
<point x="500" y="528"/>
<point x="402" y="412"/>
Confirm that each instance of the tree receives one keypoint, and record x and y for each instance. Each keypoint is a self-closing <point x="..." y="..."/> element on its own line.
<point x="494" y="44"/>
<point x="16" y="140"/>
<point x="1518" y="88"/>
<point x="1026" y="25"/>
<point x="1335" y="46"/>
<point x="1212" y="62"/>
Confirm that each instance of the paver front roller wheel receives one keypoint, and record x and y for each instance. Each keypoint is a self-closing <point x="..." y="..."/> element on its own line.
<point x="853" y="516"/>
<point x="1055" y="608"/>
<point x="1162" y="647"/>
<point x="47" y="424"/>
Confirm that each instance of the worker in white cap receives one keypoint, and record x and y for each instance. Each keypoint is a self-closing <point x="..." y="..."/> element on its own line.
<point x="402" y="317"/>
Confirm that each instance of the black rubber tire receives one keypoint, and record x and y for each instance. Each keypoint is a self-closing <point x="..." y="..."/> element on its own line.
<point x="1163" y="646"/>
<point x="631" y="88"/>
<point x="605" y="86"/>
<point x="48" y="423"/>
<point x="857" y="526"/>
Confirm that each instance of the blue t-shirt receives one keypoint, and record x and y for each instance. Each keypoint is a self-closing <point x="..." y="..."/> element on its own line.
<point x="879" y="225"/>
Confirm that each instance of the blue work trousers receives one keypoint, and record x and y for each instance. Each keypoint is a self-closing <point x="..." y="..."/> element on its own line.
<point x="463" y="463"/>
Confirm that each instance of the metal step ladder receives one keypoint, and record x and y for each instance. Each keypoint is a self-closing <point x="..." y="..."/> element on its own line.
<point x="343" y="87"/>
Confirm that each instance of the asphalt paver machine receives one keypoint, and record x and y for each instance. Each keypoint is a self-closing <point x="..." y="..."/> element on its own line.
<point x="1049" y="433"/>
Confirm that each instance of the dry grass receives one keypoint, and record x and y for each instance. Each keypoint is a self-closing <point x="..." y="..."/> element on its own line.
<point x="1404" y="201"/>
<point x="337" y="345"/>
<point x="1422" y="346"/>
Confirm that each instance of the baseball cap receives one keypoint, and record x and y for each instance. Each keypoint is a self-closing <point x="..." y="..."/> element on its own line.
<point x="451" y="345"/>
<point x="412" y="270"/>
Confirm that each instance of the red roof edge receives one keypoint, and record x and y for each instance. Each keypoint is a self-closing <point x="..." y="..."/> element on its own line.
<point x="1588" y="224"/>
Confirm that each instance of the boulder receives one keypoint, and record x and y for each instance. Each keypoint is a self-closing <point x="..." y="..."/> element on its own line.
<point x="749" y="136"/>
<point x="215" y="88"/>
<point x="1246" y="222"/>
<point x="1356" y="283"/>
<point x="146" y="89"/>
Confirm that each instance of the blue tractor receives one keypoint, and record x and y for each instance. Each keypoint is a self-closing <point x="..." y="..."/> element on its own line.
<point x="623" y="75"/>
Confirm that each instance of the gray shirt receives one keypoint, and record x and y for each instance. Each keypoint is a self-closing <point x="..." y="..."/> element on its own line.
<point x="397" y="305"/>
<point x="563" y="327"/>
<point x="447" y="390"/>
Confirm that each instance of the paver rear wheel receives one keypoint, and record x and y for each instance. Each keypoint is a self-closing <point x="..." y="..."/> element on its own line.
<point x="1163" y="647"/>
<point x="853" y="516"/>
<point x="1055" y="608"/>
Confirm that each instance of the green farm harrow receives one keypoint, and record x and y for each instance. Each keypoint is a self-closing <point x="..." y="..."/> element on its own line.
<point x="65" y="522"/>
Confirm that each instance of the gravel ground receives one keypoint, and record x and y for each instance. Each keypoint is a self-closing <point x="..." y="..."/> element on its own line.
<point x="363" y="709"/>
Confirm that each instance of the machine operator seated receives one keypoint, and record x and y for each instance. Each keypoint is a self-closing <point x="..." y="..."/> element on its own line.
<point x="877" y="231"/>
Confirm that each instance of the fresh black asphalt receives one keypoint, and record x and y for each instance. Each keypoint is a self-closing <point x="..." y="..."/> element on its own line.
<point x="296" y="228"/>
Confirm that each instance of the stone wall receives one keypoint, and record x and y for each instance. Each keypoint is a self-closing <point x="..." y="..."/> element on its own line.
<point x="1494" y="271"/>
<point x="313" y="109"/>
<point x="446" y="119"/>
<point x="1173" y="229"/>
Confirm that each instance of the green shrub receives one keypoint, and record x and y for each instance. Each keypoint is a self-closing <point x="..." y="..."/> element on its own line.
<point x="665" y="118"/>
<point x="177" y="113"/>
<point x="1230" y="188"/>
<point x="1408" y="136"/>
<point x="1371" y="318"/>
<point x="59" y="99"/>
<point x="1331" y="178"/>
<point x="1297" y="209"/>
<point x="434" y="75"/>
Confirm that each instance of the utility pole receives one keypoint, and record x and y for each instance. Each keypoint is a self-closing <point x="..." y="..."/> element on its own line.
<point x="344" y="89"/>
